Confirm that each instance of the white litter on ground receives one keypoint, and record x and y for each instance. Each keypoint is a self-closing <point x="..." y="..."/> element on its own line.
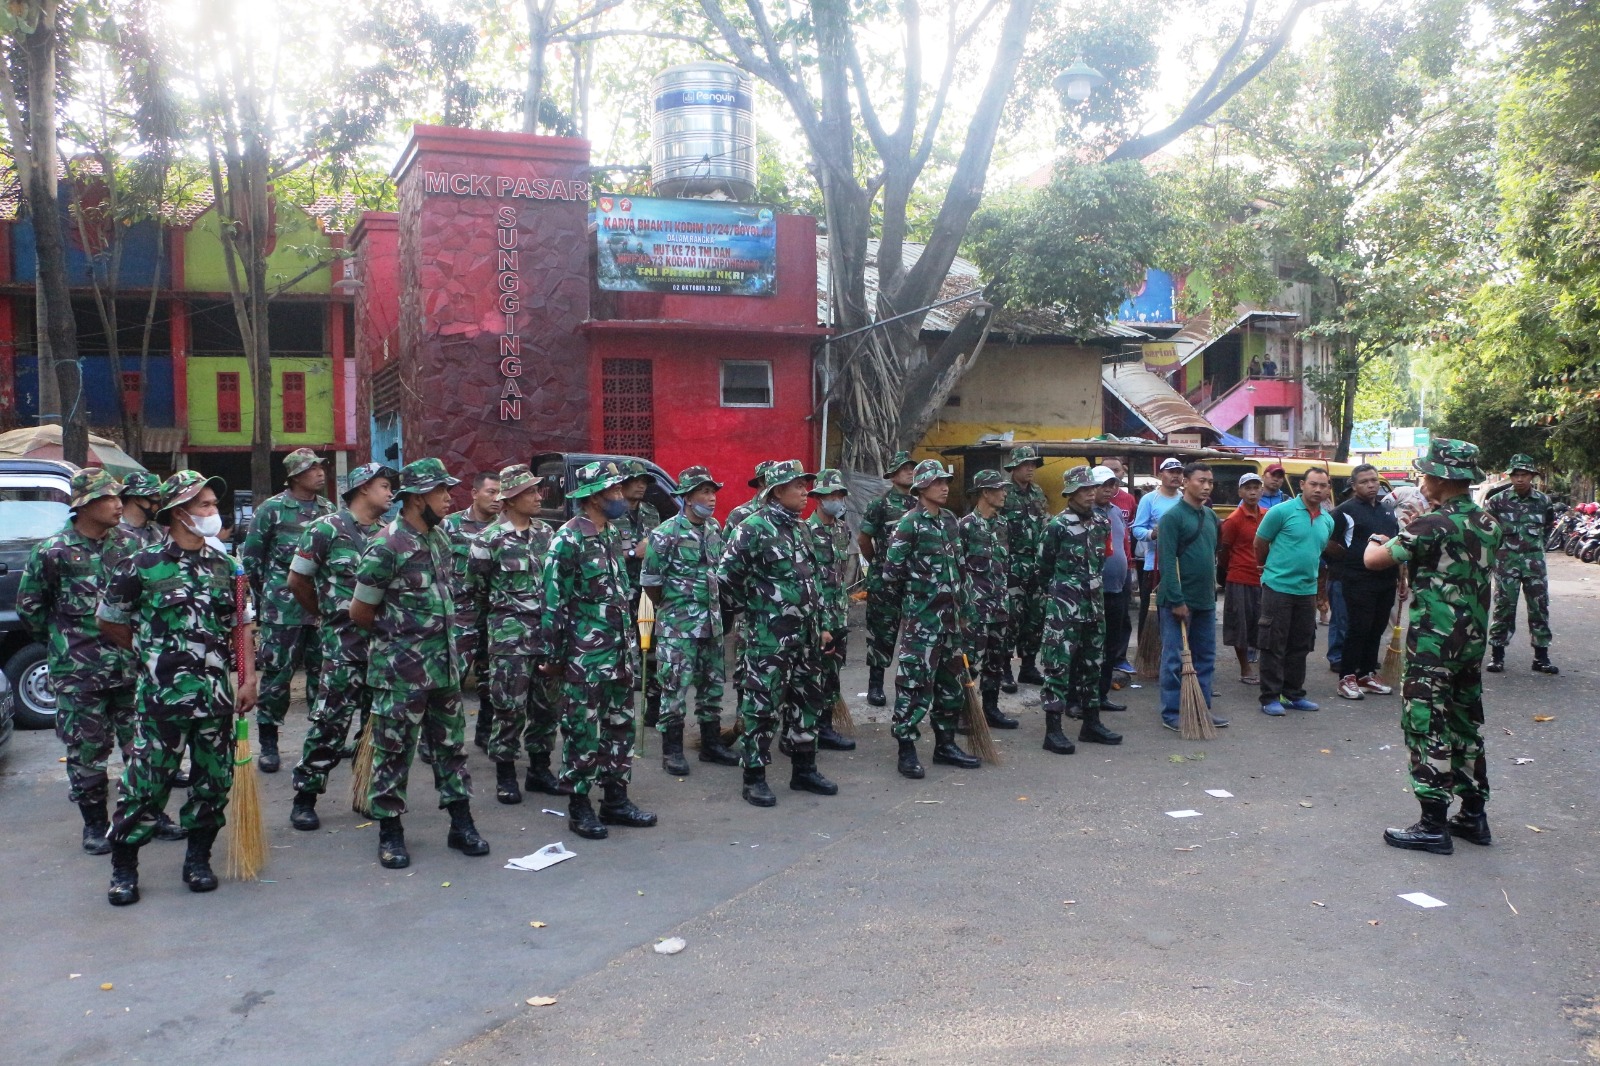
<point x="548" y="855"/>
<point x="1422" y="899"/>
<point x="1219" y="793"/>
<point x="1183" y="814"/>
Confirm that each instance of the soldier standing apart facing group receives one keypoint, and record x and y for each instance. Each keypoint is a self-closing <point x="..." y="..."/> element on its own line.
<point x="404" y="597"/>
<point x="506" y="573"/>
<point x="883" y="607"/>
<point x="470" y="638"/>
<point x="1451" y="552"/>
<point x="174" y="606"/>
<point x="1026" y="513"/>
<point x="986" y="561"/>
<point x="923" y="570"/>
<point x="585" y="643"/>
<point x="288" y="635"/>
<point x="322" y="578"/>
<point x="1071" y="559"/>
<point x="680" y="577"/>
<point x="830" y="536"/>
<point x="1525" y="518"/>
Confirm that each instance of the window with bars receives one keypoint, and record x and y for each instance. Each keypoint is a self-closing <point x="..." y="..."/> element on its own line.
<point x="294" y="402"/>
<point x="132" y="391"/>
<point x="228" y="420"/>
<point x="746" y="384"/>
<point x="627" y="397"/>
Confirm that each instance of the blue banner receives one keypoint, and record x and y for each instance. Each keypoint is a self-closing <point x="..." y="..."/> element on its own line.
<point x="702" y="247"/>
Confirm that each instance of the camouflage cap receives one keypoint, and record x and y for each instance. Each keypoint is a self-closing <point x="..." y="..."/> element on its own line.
<point x="760" y="480"/>
<point x="141" y="483"/>
<point x="184" y="486"/>
<point x="1453" y="460"/>
<point x="896" y="462"/>
<point x="989" y="479"/>
<point x="692" y="478"/>
<point x="365" y="473"/>
<point x="424" y="475"/>
<point x="636" y="468"/>
<point x="593" y="478"/>
<point x="299" y="461"/>
<point x="785" y="472"/>
<point x="829" y="481"/>
<point x="93" y="483"/>
<point x="1079" y="477"/>
<point x="1023" y="453"/>
<point x="517" y="477"/>
<point x="928" y="471"/>
<point x="1522" y="461"/>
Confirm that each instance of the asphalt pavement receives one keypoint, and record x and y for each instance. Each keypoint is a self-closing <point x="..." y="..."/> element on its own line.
<point x="1046" y="909"/>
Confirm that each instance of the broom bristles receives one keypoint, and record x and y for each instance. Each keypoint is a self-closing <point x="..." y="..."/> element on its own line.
<point x="844" y="723"/>
<point x="1148" y="662"/>
<point x="247" y="837"/>
<point x="1194" y="716"/>
<point x="983" y="745"/>
<point x="361" y="771"/>
<point x="1394" y="659"/>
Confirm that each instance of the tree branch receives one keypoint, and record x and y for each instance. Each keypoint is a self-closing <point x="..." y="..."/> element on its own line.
<point x="593" y="12"/>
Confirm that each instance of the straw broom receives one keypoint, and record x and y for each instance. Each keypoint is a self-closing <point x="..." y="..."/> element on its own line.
<point x="247" y="837"/>
<point x="1395" y="658"/>
<point x="1194" y="717"/>
<point x="844" y="723"/>
<point x="647" y="630"/>
<point x="1148" y="661"/>
<point x="361" y="770"/>
<point x="977" y="725"/>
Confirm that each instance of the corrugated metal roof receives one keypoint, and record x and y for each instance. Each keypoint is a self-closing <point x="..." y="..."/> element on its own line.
<point x="1206" y="336"/>
<point x="1156" y="404"/>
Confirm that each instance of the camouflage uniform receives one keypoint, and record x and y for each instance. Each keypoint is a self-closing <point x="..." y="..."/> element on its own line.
<point x="142" y="485"/>
<point x="287" y="638"/>
<point x="1525" y="522"/>
<point x="681" y="562"/>
<point x="736" y="517"/>
<point x="985" y="558"/>
<point x="469" y="637"/>
<point x="1071" y="556"/>
<point x="883" y="606"/>
<point x="832" y="543"/>
<point x="634" y="528"/>
<point x="1025" y="512"/>
<point x="93" y="679"/>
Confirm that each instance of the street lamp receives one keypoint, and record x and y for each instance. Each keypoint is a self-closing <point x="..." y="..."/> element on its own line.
<point x="1078" y="81"/>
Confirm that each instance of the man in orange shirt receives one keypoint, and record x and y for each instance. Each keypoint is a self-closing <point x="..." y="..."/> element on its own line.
<point x="1236" y="556"/>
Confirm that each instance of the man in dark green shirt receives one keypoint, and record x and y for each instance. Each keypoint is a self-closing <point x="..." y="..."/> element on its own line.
<point x="1187" y="598"/>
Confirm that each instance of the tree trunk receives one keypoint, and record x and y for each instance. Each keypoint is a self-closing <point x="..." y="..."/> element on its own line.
<point x="538" y="46"/>
<point x="1350" y="359"/>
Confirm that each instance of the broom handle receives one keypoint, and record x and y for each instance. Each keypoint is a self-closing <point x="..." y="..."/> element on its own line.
<point x="241" y="589"/>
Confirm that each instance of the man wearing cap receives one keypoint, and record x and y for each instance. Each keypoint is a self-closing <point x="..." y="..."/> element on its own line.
<point x="141" y="493"/>
<point x="506" y="572"/>
<point x="679" y="576"/>
<point x="1153" y="507"/>
<point x="1114" y="587"/>
<point x="92" y="678"/>
<point x="1236" y="559"/>
<point x="585" y="639"/>
<point x="1450" y="552"/>
<point x="769" y="572"/>
<point x="471" y="638"/>
<point x="405" y="599"/>
<point x="1071" y="562"/>
<point x="1124" y="501"/>
<point x="288" y="636"/>
<point x="754" y="503"/>
<point x="635" y="527"/>
<point x="730" y="622"/>
<point x="830" y="535"/>
<point x="986" y="563"/>
<point x="322" y="578"/>
<point x="1272" y="491"/>
<point x="174" y="605"/>
<point x="1186" y="595"/>
<point x="1289" y="544"/>
<point x="883" y="609"/>
<point x="1026" y="513"/>
<point x="1525" y="518"/>
<point x="922" y="569"/>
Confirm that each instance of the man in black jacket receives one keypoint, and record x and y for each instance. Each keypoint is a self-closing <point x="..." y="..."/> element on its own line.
<point x="1368" y="594"/>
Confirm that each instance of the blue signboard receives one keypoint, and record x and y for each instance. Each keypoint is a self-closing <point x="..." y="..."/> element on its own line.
<point x="704" y="247"/>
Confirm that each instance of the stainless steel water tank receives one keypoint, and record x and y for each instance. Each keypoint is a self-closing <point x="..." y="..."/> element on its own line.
<point x="703" y="132"/>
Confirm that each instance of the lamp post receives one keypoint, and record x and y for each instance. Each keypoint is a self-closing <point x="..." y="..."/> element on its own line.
<point x="1078" y="81"/>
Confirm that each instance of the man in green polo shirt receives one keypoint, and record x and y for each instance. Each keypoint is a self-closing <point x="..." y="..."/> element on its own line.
<point x="1289" y="545"/>
<point x="1186" y="594"/>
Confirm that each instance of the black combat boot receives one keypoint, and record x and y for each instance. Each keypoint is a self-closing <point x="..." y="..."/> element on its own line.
<point x="909" y="766"/>
<point x="1028" y="673"/>
<point x="167" y="829"/>
<point x="197" y="862"/>
<point x="392" y="853"/>
<point x="1541" y="662"/>
<point x="95" y="826"/>
<point x="992" y="715"/>
<point x="805" y="777"/>
<point x="617" y="809"/>
<point x="829" y="738"/>
<point x="949" y="753"/>
<point x="463" y="834"/>
<point x="1432" y="833"/>
<point x="505" y="782"/>
<point x="756" y="792"/>
<point x="1008" y="683"/>
<point x="267" y="761"/>
<point x="1107" y="705"/>
<point x="1054" y="739"/>
<point x="652" y="708"/>
<point x="672" y="760"/>
<point x="480" y="730"/>
<point x="1497" y="659"/>
<point x="303" y="815"/>
<point x="712" y="749"/>
<point x="1472" y="823"/>
<point x="539" y="778"/>
<point x="875" y="687"/>
<point x="1092" y="732"/>
<point x="124" y="875"/>
<point x="581" y="819"/>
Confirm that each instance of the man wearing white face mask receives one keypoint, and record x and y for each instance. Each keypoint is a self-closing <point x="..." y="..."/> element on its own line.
<point x="831" y="534"/>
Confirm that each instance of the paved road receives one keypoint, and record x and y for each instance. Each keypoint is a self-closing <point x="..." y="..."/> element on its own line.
<point x="900" y="921"/>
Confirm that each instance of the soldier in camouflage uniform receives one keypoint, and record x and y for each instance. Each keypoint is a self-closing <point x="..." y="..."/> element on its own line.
<point x="322" y="578"/>
<point x="679" y="575"/>
<point x="986" y="562"/>
<point x="1525" y="518"/>
<point x="1071" y="556"/>
<point x="586" y="639"/>
<point x="92" y="678"/>
<point x="635" y="527"/>
<point x="754" y="503"/>
<point x="176" y="606"/>
<point x="922" y="571"/>
<point x="1450" y="552"/>
<point x="506" y="570"/>
<point x="405" y="599"/>
<point x="141" y="492"/>
<point x="730" y="622"/>
<point x="1025" y="513"/>
<point x="471" y="637"/>
<point x="288" y="636"/>
<point x="830" y="534"/>
<point x="769" y="573"/>
<point x="883" y="607"/>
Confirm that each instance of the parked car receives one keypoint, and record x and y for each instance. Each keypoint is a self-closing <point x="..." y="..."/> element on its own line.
<point x="7" y="713"/>
<point x="560" y="468"/>
<point x="34" y="494"/>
